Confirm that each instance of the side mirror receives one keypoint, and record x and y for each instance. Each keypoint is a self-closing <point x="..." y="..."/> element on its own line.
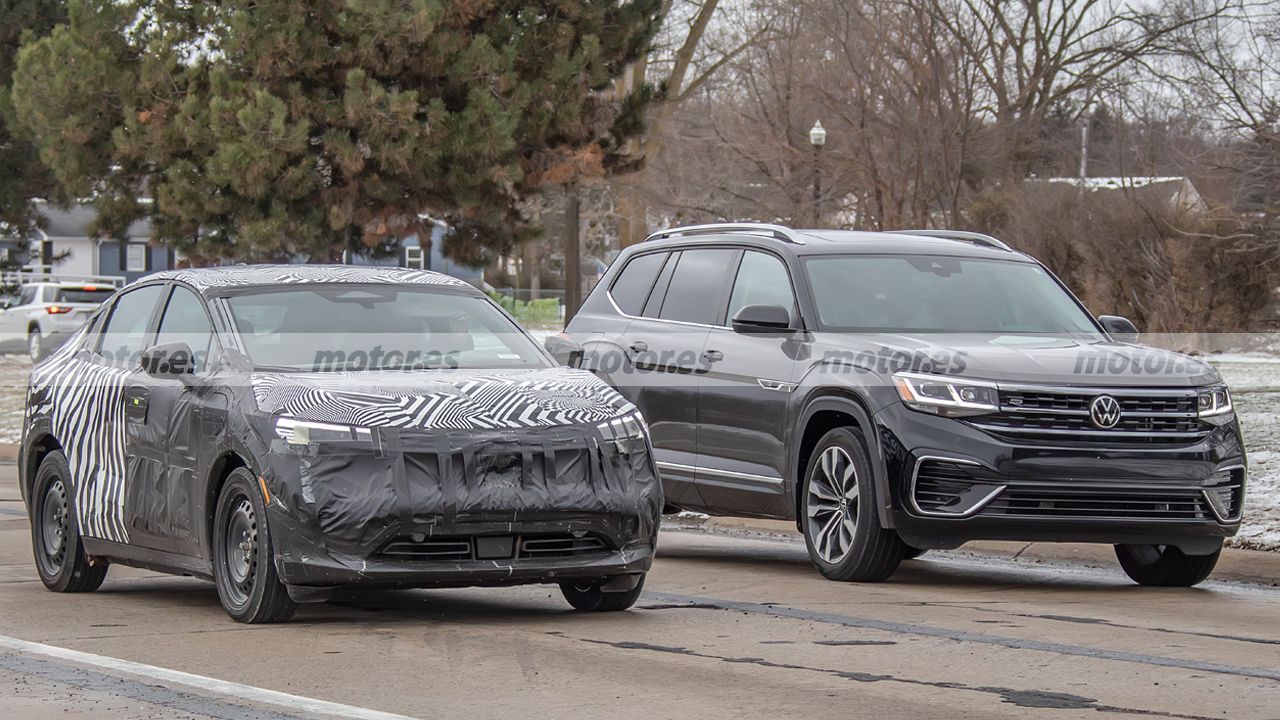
<point x="565" y="350"/>
<point x="168" y="360"/>
<point x="1120" y="329"/>
<point x="6" y="303"/>
<point x="762" y="319"/>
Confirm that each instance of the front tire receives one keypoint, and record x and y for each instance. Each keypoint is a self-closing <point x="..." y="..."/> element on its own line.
<point x="244" y="568"/>
<point x="1165" y="565"/>
<point x="842" y="529"/>
<point x="55" y="532"/>
<point x="591" y="598"/>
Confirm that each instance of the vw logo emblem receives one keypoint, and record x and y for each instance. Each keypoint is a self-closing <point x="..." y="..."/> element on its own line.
<point x="1104" y="411"/>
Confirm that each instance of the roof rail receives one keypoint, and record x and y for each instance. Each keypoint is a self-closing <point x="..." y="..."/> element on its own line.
<point x="41" y="274"/>
<point x="960" y="235"/>
<point x="779" y="232"/>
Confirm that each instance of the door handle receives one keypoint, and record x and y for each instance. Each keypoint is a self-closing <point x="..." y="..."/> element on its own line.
<point x="639" y="346"/>
<point x="712" y="355"/>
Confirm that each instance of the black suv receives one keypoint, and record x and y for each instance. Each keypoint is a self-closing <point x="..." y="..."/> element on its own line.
<point x="897" y="392"/>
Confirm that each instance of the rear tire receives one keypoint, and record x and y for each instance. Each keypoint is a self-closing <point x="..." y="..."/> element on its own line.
<point x="590" y="598"/>
<point x="1165" y="565"/>
<point x="244" y="567"/>
<point x="35" y="346"/>
<point x="55" y="531"/>
<point x="838" y="514"/>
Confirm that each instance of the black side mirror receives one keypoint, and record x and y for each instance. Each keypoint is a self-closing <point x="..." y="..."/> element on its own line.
<point x="762" y="319"/>
<point x="565" y="350"/>
<point x="1119" y="328"/>
<point x="170" y="360"/>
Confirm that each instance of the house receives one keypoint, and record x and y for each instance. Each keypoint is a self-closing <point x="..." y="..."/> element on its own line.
<point x="413" y="254"/>
<point x="66" y="245"/>
<point x="1178" y="192"/>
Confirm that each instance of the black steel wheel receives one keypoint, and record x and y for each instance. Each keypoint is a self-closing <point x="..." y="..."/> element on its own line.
<point x="591" y="597"/>
<point x="243" y="559"/>
<point x="841" y="527"/>
<point x="55" y="534"/>
<point x="1165" y="565"/>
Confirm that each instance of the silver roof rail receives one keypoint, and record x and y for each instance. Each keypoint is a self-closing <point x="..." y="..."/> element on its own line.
<point x="961" y="235"/>
<point x="779" y="232"/>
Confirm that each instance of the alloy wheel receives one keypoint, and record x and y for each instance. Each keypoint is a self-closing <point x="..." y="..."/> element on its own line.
<point x="831" y="501"/>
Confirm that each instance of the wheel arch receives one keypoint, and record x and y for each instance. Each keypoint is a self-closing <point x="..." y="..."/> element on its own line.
<point x="823" y="412"/>
<point x="219" y="470"/>
<point x="42" y="442"/>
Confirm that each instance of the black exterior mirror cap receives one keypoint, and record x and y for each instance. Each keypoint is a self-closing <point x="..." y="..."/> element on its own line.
<point x="1119" y="328"/>
<point x="762" y="319"/>
<point x="173" y="359"/>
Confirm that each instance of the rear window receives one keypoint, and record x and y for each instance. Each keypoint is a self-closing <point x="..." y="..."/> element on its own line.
<point x="632" y="287"/>
<point x="82" y="295"/>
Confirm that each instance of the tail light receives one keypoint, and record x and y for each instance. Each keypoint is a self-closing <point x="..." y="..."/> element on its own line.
<point x="58" y="309"/>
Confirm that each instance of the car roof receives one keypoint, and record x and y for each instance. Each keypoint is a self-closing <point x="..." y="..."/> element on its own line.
<point x="840" y="242"/>
<point x="235" y="276"/>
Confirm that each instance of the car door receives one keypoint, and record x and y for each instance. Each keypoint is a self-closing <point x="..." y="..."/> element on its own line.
<point x="168" y="429"/>
<point x="742" y="398"/>
<point x="14" y="319"/>
<point x="664" y="351"/>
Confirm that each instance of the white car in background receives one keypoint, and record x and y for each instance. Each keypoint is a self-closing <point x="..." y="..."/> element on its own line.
<point x="45" y="312"/>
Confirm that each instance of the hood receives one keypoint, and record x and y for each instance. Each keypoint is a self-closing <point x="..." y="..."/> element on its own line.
<point x="441" y="399"/>
<point x="1025" y="359"/>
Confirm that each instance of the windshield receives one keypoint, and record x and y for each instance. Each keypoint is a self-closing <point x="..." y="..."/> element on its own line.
<point x="357" y="327"/>
<point x="925" y="293"/>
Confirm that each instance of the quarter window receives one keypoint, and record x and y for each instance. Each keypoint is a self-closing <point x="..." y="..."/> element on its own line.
<point x="186" y="321"/>
<point x="634" y="283"/>
<point x="762" y="280"/>
<point x="695" y="293"/>
<point x="125" y="334"/>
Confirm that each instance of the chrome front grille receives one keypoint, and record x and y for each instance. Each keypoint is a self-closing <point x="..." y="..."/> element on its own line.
<point x="1061" y="416"/>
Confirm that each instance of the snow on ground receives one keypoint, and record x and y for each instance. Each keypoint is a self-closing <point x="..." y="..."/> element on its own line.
<point x="1254" y="381"/>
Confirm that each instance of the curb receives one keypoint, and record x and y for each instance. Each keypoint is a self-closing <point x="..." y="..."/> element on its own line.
<point x="1257" y="567"/>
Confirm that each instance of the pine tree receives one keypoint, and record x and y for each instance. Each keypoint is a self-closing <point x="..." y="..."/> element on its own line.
<point x="22" y="176"/>
<point x="266" y="129"/>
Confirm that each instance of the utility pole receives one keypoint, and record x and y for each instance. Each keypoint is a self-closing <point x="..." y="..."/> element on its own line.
<point x="572" y="251"/>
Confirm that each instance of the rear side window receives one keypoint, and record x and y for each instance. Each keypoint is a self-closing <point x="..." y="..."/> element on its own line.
<point x="125" y="334"/>
<point x="632" y="287"/>
<point x="695" y="292"/>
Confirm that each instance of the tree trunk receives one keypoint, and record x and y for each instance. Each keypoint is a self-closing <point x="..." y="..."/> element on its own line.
<point x="572" y="251"/>
<point x="534" y="269"/>
<point x="633" y="215"/>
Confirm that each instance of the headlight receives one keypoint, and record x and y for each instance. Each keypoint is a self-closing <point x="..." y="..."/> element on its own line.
<point x="1212" y="402"/>
<point x="950" y="397"/>
<point x="303" y="432"/>
<point x="627" y="434"/>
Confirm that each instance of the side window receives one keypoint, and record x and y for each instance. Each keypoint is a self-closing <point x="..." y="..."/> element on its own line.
<point x="694" y="294"/>
<point x="125" y="333"/>
<point x="631" y="289"/>
<point x="27" y="295"/>
<point x="762" y="280"/>
<point x="186" y="321"/>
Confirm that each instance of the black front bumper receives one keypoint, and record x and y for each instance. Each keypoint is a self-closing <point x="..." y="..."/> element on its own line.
<point x="1064" y="492"/>
<point x="420" y="509"/>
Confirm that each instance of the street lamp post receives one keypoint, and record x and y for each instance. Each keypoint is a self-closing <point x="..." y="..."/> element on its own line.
<point x="817" y="138"/>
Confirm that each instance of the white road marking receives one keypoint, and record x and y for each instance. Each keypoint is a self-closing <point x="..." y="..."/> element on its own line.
<point x="200" y="682"/>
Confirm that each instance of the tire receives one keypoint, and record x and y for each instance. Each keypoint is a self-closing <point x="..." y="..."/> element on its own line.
<point x="911" y="553"/>
<point x="35" y="346"/>
<point x="1165" y="565"/>
<point x="244" y="568"/>
<point x="590" y="598"/>
<point x="838" y="504"/>
<point x="55" y="532"/>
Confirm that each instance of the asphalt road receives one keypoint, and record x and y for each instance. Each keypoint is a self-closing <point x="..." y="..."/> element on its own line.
<point x="729" y="628"/>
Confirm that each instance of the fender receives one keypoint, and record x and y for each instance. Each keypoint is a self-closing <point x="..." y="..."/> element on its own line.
<point x="849" y="401"/>
<point x="39" y="429"/>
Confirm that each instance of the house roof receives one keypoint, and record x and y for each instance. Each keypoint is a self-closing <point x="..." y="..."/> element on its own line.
<point x="74" y="222"/>
<point x="1116" y="183"/>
